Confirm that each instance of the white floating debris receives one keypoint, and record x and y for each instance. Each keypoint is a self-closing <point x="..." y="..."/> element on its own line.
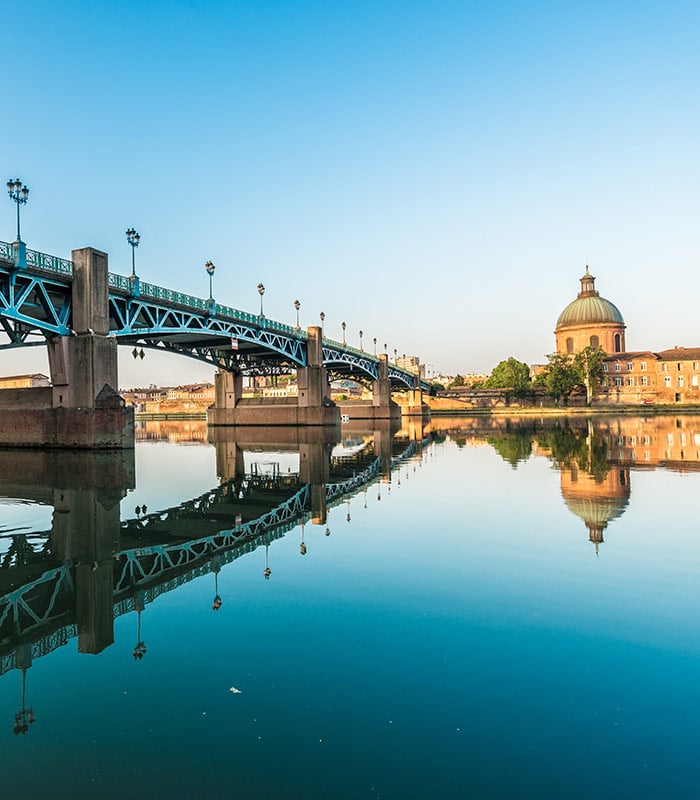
<point x="233" y="690"/>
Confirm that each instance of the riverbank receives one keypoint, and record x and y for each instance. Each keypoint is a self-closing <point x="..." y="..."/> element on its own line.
<point x="568" y="411"/>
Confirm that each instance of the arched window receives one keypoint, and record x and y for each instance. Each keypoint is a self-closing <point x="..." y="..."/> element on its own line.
<point x="569" y="345"/>
<point x="618" y="343"/>
<point x="595" y="342"/>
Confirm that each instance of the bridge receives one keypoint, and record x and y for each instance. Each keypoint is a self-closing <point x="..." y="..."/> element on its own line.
<point x="80" y="311"/>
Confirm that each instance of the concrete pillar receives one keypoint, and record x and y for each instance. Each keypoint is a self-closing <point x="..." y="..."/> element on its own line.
<point x="314" y="462"/>
<point x="381" y="389"/>
<point x="319" y="508"/>
<point x="312" y="380"/>
<point x="383" y="440"/>
<point x="228" y="389"/>
<point x="86" y="531"/>
<point x="82" y="365"/>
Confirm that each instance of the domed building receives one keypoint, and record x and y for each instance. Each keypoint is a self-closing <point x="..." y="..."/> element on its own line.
<point x="597" y="502"/>
<point x="590" y="320"/>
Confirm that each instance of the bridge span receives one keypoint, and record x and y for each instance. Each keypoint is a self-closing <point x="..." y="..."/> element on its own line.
<point x="80" y="311"/>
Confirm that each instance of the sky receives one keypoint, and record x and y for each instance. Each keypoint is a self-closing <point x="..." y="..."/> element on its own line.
<point x="436" y="174"/>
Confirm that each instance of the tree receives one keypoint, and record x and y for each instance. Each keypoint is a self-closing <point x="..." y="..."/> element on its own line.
<point x="559" y="378"/>
<point x="458" y="380"/>
<point x="589" y="367"/>
<point x="510" y="374"/>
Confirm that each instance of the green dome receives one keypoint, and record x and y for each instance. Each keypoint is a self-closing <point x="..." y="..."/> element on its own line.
<point x="589" y="310"/>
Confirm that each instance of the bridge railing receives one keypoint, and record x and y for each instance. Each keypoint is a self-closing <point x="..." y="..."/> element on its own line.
<point x="348" y="349"/>
<point x="38" y="260"/>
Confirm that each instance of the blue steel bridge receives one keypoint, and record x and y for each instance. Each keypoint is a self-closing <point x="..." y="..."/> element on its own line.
<point x="36" y="304"/>
<point x="39" y="615"/>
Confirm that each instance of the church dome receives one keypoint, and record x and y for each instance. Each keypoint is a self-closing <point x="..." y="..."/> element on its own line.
<point x="589" y="308"/>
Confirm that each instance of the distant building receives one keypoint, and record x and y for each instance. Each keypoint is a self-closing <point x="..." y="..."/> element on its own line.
<point x="24" y="381"/>
<point x="630" y="378"/>
<point x="411" y="364"/>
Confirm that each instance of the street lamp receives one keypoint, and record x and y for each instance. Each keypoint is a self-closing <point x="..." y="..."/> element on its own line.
<point x="19" y="194"/>
<point x="210" y="268"/>
<point x="261" y="292"/>
<point x="133" y="238"/>
<point x="385" y="352"/>
<point x="361" y="348"/>
<point x="343" y="326"/>
<point x="375" y="345"/>
<point x="297" y="306"/>
<point x="323" y="316"/>
<point x="395" y="355"/>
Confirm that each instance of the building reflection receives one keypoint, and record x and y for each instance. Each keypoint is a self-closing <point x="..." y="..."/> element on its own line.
<point x="595" y="456"/>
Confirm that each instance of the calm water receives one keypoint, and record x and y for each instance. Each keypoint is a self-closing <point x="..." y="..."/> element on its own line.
<point x="490" y="609"/>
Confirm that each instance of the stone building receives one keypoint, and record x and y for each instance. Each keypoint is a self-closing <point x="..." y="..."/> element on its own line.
<point x="630" y="377"/>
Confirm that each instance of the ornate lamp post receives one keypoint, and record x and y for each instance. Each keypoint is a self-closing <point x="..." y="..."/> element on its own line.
<point x="343" y="326"/>
<point x="216" y="605"/>
<point x="395" y="355"/>
<point x="261" y="292"/>
<point x="375" y="345"/>
<point x="322" y="316"/>
<point x="210" y="268"/>
<point x="297" y="306"/>
<point x="133" y="238"/>
<point x="19" y="194"/>
<point x="361" y="348"/>
<point x="140" y="649"/>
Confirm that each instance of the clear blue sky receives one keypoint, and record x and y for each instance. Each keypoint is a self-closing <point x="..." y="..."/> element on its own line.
<point x="435" y="173"/>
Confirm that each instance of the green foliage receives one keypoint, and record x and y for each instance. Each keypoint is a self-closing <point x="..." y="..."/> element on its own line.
<point x="435" y="388"/>
<point x="559" y="378"/>
<point x="512" y="447"/>
<point x="458" y="380"/>
<point x="589" y="368"/>
<point x="510" y="374"/>
<point x="585" y="448"/>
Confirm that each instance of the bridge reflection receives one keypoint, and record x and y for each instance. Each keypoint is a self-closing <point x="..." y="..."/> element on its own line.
<point x="92" y="565"/>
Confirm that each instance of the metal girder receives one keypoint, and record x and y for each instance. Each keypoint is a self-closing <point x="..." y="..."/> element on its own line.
<point x="137" y="318"/>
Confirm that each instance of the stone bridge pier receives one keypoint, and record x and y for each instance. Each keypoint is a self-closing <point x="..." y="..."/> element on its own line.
<point x="82" y="408"/>
<point x="313" y="406"/>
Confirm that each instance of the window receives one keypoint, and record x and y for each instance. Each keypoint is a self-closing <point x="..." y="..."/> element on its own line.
<point x="629" y="366"/>
<point x="630" y="380"/>
<point x="618" y="381"/>
<point x="647" y="455"/>
<point x="643" y="366"/>
<point x="595" y="342"/>
<point x="644" y="381"/>
<point x="569" y="345"/>
<point x="620" y="440"/>
<point x="617" y="366"/>
<point x="680" y="381"/>
<point x="646" y="439"/>
<point x="618" y="343"/>
<point x="678" y="366"/>
<point x="664" y="368"/>
<point x="694" y="380"/>
<point x="695" y="365"/>
<point x="667" y="381"/>
<point x="669" y="438"/>
<point x="605" y="367"/>
<point x="633" y="440"/>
